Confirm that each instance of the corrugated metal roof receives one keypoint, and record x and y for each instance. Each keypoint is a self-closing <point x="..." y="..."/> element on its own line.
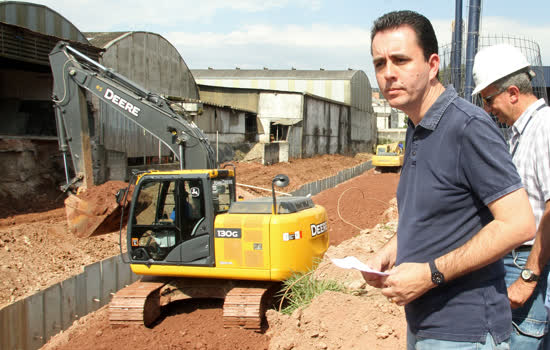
<point x="40" y="19"/>
<point x="233" y="89"/>
<point x="273" y="74"/>
<point x="104" y="39"/>
<point x="212" y="104"/>
<point x="148" y="59"/>
<point x="22" y="44"/>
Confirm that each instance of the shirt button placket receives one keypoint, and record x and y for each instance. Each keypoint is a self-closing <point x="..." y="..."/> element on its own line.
<point x="414" y="149"/>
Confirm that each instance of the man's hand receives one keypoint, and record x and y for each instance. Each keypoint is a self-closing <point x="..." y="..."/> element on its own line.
<point x="519" y="292"/>
<point x="382" y="261"/>
<point x="379" y="263"/>
<point x="407" y="282"/>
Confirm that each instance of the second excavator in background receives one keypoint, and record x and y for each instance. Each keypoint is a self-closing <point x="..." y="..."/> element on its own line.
<point x="389" y="156"/>
<point x="186" y="233"/>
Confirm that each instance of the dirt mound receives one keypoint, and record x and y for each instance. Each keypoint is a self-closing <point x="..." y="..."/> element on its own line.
<point x="51" y="215"/>
<point x="102" y="196"/>
<point x="36" y="255"/>
<point x="339" y="321"/>
<point x="359" y="319"/>
<point x="95" y="211"/>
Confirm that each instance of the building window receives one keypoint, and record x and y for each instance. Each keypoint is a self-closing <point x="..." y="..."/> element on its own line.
<point x="278" y="132"/>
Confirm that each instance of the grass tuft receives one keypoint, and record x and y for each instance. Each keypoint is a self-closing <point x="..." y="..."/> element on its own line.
<point x="300" y="289"/>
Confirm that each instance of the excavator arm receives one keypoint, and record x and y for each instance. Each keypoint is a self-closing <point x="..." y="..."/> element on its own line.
<point x="74" y="73"/>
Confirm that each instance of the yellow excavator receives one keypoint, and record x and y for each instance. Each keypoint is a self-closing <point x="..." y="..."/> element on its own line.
<point x="389" y="156"/>
<point x="187" y="235"/>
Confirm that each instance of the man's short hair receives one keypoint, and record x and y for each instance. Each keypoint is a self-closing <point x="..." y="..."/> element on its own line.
<point x="422" y="27"/>
<point x="521" y="80"/>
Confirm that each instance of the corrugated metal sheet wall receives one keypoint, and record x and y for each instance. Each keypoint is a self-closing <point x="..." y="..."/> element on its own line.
<point x="21" y="44"/>
<point x="118" y="133"/>
<point x="41" y="19"/>
<point x="151" y="61"/>
<point x="351" y="88"/>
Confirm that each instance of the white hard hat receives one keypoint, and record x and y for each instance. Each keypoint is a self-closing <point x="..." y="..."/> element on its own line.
<point x="495" y="62"/>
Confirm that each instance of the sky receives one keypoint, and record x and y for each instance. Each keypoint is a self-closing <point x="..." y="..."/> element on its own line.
<point x="281" y="34"/>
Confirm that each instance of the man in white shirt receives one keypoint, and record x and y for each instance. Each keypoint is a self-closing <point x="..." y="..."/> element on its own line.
<point x="503" y="78"/>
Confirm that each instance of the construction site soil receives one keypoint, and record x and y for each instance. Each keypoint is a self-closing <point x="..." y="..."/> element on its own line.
<point x="37" y="251"/>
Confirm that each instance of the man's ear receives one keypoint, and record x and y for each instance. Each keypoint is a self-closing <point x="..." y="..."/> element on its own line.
<point x="433" y="61"/>
<point x="513" y="93"/>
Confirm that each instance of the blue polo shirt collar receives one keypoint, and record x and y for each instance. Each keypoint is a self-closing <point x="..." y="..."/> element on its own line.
<point x="435" y="112"/>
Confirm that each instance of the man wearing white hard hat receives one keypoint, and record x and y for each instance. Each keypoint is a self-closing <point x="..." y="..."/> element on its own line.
<point x="503" y="79"/>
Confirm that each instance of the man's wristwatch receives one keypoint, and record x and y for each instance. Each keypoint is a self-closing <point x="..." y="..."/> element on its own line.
<point x="437" y="277"/>
<point x="529" y="276"/>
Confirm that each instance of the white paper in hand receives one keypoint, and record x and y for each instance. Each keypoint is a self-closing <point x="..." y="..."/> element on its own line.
<point x="351" y="262"/>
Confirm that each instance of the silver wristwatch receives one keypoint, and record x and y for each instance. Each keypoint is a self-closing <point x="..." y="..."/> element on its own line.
<point x="529" y="276"/>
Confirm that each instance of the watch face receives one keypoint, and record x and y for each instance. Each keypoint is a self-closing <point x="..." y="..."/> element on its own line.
<point x="529" y="276"/>
<point x="437" y="278"/>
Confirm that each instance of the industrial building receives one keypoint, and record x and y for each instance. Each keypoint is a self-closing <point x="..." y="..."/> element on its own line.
<point x="391" y="123"/>
<point x="32" y="163"/>
<point x="152" y="62"/>
<point x="313" y="112"/>
<point x="387" y="117"/>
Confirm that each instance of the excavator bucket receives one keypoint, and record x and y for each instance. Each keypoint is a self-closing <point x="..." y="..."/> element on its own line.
<point x="95" y="211"/>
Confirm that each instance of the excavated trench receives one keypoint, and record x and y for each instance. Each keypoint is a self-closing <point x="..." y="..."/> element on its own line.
<point x="38" y="252"/>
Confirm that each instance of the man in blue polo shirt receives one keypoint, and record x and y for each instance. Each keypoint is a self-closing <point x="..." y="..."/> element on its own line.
<point x="460" y="199"/>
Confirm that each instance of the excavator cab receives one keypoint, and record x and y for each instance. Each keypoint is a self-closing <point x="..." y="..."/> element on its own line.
<point x="170" y="221"/>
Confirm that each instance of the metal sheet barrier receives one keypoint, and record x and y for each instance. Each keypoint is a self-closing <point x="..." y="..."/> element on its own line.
<point x="317" y="187"/>
<point x="28" y="323"/>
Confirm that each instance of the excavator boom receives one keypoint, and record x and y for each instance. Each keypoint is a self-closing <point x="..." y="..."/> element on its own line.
<point x="74" y="73"/>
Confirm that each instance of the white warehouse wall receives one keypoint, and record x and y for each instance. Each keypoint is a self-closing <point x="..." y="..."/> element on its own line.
<point x="273" y="106"/>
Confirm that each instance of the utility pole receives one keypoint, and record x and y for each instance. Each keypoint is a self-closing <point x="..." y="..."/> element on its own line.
<point x="474" y="14"/>
<point x="456" y="47"/>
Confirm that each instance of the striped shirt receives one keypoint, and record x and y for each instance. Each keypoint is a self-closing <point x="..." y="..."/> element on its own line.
<point x="530" y="148"/>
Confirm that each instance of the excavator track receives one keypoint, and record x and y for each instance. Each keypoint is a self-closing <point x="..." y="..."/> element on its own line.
<point x="138" y="303"/>
<point x="141" y="302"/>
<point x="243" y="307"/>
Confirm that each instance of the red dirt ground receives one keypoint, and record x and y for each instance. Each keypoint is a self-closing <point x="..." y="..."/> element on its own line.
<point x="38" y="252"/>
